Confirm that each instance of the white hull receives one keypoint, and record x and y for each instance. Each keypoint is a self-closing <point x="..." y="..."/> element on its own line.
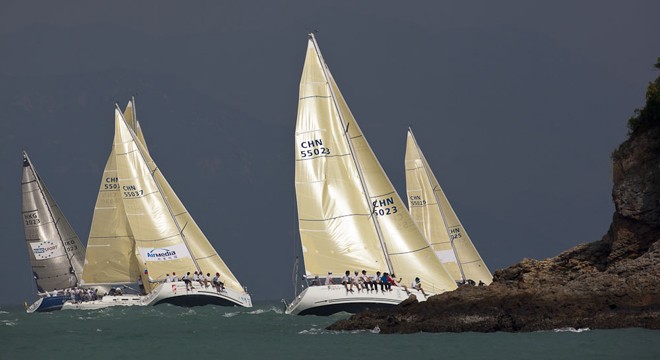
<point x="169" y="293"/>
<point x="327" y="300"/>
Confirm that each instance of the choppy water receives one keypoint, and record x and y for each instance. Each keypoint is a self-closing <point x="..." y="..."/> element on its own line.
<point x="265" y="332"/>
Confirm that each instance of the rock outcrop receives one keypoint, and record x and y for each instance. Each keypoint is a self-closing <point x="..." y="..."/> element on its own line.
<point x="611" y="283"/>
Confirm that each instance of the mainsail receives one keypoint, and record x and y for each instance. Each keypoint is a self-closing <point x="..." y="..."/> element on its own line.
<point x="110" y="247"/>
<point x="350" y="216"/>
<point x="56" y="253"/>
<point x="431" y="210"/>
<point x="166" y="237"/>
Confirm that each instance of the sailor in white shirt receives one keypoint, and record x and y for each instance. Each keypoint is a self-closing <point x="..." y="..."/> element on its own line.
<point x="168" y="278"/>
<point x="328" y="280"/>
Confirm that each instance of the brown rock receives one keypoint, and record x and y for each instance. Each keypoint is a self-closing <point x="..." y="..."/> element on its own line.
<point x="611" y="283"/>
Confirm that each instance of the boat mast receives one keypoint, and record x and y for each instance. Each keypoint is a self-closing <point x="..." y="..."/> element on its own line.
<point x="37" y="179"/>
<point x="160" y="191"/>
<point x="355" y="160"/>
<point x="442" y="212"/>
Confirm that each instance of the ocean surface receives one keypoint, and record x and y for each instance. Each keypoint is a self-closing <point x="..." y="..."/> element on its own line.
<point x="265" y="332"/>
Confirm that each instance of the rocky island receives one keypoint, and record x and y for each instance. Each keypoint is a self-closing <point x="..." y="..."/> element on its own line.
<point x="610" y="283"/>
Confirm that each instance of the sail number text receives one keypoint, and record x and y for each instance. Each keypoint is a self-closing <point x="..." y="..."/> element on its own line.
<point x="455" y="233"/>
<point x="313" y="148"/>
<point x="111" y="183"/>
<point x="384" y="207"/>
<point x="70" y="245"/>
<point x="31" y="219"/>
<point x="416" y="200"/>
<point x="131" y="191"/>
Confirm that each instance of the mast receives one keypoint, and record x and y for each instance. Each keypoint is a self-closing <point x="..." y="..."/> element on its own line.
<point x="160" y="189"/>
<point x="72" y="269"/>
<point x="442" y="212"/>
<point x="355" y="160"/>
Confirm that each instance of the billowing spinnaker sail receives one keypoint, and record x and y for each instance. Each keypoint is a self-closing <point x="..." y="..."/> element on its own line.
<point x="336" y="226"/>
<point x="56" y="253"/>
<point x="386" y="226"/>
<point x="110" y="246"/>
<point x="167" y="238"/>
<point x="434" y="215"/>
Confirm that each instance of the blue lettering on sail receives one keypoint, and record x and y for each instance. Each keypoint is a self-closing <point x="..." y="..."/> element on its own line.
<point x="162" y="254"/>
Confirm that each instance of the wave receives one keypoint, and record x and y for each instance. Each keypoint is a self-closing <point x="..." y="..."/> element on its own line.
<point x="571" y="329"/>
<point x="272" y="309"/>
<point x="9" y="322"/>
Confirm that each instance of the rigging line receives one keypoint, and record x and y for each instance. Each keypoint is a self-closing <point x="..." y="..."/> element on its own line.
<point x="323" y="156"/>
<point x="335" y="217"/>
<point x="315" y="96"/>
<point x="410" y="252"/>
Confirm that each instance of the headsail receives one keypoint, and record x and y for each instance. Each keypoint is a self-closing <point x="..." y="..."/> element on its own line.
<point x="166" y="237"/>
<point x="431" y="210"/>
<point x="56" y="253"/>
<point x="350" y="216"/>
<point x="110" y="247"/>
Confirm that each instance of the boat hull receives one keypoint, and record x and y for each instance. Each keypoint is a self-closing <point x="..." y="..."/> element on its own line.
<point x="46" y="304"/>
<point x="168" y="293"/>
<point x="176" y="294"/>
<point x="328" y="300"/>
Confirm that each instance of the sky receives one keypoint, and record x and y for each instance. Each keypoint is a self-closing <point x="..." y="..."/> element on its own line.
<point x="516" y="105"/>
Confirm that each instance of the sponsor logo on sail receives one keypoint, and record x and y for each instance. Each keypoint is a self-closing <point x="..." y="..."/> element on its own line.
<point x="162" y="254"/>
<point x="171" y="252"/>
<point x="46" y="250"/>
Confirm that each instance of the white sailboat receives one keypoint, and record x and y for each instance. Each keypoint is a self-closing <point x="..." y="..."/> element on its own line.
<point x="349" y="214"/>
<point x="56" y="253"/>
<point x="142" y="230"/>
<point x="433" y="213"/>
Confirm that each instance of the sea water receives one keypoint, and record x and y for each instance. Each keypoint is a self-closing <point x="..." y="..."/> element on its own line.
<point x="265" y="332"/>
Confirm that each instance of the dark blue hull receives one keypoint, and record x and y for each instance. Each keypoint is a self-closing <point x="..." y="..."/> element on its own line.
<point x="46" y="304"/>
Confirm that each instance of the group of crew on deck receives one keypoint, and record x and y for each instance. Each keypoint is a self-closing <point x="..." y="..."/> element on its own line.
<point x="204" y="281"/>
<point x="384" y="281"/>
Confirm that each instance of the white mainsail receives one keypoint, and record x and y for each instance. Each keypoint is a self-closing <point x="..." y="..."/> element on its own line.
<point x="350" y="216"/>
<point x="56" y="253"/>
<point x="433" y="213"/>
<point x="110" y="256"/>
<point x="166" y="237"/>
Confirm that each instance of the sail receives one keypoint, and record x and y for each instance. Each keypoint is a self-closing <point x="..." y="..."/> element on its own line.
<point x="130" y="115"/>
<point x="350" y="216"/>
<point x="431" y="210"/>
<point x="56" y="253"/>
<point x="166" y="237"/>
<point x="110" y="247"/>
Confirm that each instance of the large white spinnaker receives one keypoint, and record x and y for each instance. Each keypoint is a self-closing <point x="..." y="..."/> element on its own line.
<point x="433" y="213"/>
<point x="350" y="216"/>
<point x="56" y="253"/>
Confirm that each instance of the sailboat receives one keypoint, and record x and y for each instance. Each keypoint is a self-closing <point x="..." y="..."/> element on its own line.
<point x="350" y="217"/>
<point x="141" y="232"/>
<point x="433" y="213"/>
<point x="55" y="251"/>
